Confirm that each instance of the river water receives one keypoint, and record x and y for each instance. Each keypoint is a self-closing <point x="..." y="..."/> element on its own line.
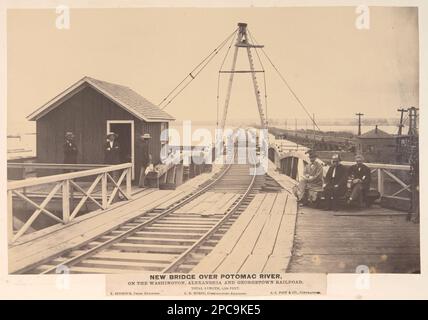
<point x="23" y="144"/>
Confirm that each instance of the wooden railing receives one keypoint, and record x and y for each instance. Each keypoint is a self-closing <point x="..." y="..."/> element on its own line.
<point x="383" y="170"/>
<point x="380" y="173"/>
<point x="66" y="184"/>
<point x="57" y="166"/>
<point x="22" y="170"/>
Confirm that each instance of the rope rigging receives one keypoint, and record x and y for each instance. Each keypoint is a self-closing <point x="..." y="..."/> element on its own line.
<point x="194" y="73"/>
<point x="219" y="74"/>
<point x="201" y="66"/>
<point x="286" y="83"/>
<point x="264" y="76"/>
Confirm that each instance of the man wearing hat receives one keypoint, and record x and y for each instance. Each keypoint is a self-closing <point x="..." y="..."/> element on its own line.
<point x="335" y="182"/>
<point x="311" y="181"/>
<point x="146" y="158"/>
<point x="359" y="174"/>
<point x="111" y="149"/>
<point x="70" y="148"/>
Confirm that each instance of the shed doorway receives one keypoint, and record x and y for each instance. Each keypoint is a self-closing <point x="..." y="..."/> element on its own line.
<point x="125" y="131"/>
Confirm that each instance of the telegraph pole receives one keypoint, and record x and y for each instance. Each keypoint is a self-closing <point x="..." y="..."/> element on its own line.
<point x="413" y="128"/>
<point x="359" y="122"/>
<point x="401" y="125"/>
<point x="414" y="163"/>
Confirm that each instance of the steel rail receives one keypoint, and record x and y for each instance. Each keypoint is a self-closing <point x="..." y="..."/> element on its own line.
<point x="101" y="246"/>
<point x="210" y="232"/>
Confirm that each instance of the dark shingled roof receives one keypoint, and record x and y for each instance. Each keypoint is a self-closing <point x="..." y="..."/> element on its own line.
<point x="122" y="95"/>
<point x="132" y="99"/>
<point x="375" y="134"/>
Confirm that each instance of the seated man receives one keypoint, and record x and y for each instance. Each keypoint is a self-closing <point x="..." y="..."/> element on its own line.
<point x="335" y="183"/>
<point x="311" y="181"/>
<point x="359" y="174"/>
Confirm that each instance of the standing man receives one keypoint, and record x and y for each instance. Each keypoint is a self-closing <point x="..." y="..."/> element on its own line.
<point x="311" y="181"/>
<point x="146" y="158"/>
<point x="70" y="148"/>
<point x="335" y="182"/>
<point x="111" y="149"/>
<point x="112" y="154"/>
<point x="359" y="174"/>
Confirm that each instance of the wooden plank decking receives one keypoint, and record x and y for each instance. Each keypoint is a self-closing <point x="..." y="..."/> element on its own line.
<point x="260" y="240"/>
<point x="339" y="242"/>
<point x="271" y="235"/>
<point x="45" y="244"/>
<point x="336" y="242"/>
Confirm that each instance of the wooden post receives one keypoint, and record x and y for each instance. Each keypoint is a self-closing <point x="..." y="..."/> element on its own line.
<point x="163" y="178"/>
<point x="191" y="170"/>
<point x="171" y="175"/>
<point x="104" y="190"/>
<point x="66" y="201"/>
<point x="380" y="181"/>
<point x="9" y="216"/>
<point x="24" y="191"/>
<point x="179" y="174"/>
<point x="128" y="182"/>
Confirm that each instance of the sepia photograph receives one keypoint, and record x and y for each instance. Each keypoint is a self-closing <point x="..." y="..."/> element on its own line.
<point x="246" y="143"/>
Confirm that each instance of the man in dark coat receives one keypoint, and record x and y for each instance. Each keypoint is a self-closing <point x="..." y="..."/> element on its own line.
<point x="335" y="182"/>
<point x="70" y="149"/>
<point x="146" y="158"/>
<point x="111" y="149"/>
<point x="359" y="174"/>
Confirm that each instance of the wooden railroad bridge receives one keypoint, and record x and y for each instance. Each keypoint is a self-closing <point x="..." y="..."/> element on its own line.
<point x="232" y="217"/>
<point x="224" y="219"/>
<point x="322" y="141"/>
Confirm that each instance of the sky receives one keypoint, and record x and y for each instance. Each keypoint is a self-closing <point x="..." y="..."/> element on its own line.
<point x="334" y="68"/>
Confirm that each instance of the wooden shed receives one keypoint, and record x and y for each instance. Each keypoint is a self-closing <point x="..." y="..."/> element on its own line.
<point x="90" y="108"/>
<point x="377" y="146"/>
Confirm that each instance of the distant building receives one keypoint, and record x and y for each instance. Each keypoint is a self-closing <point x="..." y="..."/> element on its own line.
<point x="377" y="146"/>
<point x="90" y="108"/>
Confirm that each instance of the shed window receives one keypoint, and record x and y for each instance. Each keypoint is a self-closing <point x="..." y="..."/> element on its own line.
<point x="368" y="148"/>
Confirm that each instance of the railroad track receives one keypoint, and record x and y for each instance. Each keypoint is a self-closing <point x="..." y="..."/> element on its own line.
<point x="162" y="240"/>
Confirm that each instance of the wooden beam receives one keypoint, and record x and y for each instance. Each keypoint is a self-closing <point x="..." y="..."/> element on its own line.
<point x="40" y="209"/>
<point x="104" y="190"/>
<point x="385" y="166"/>
<point x="170" y="178"/>
<point x="50" y="214"/>
<point x="66" y="201"/>
<point x="117" y="187"/>
<point x="399" y="191"/>
<point x="55" y="166"/>
<point x="401" y="183"/>
<point x="179" y="174"/>
<point x="87" y="195"/>
<point x="380" y="181"/>
<point x="65" y="176"/>
<point x="128" y="183"/>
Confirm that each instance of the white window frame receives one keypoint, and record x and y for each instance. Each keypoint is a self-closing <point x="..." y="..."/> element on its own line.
<point x="132" y="139"/>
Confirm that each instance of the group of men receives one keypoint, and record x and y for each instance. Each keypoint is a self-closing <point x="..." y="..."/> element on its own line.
<point x="338" y="182"/>
<point x="112" y="152"/>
